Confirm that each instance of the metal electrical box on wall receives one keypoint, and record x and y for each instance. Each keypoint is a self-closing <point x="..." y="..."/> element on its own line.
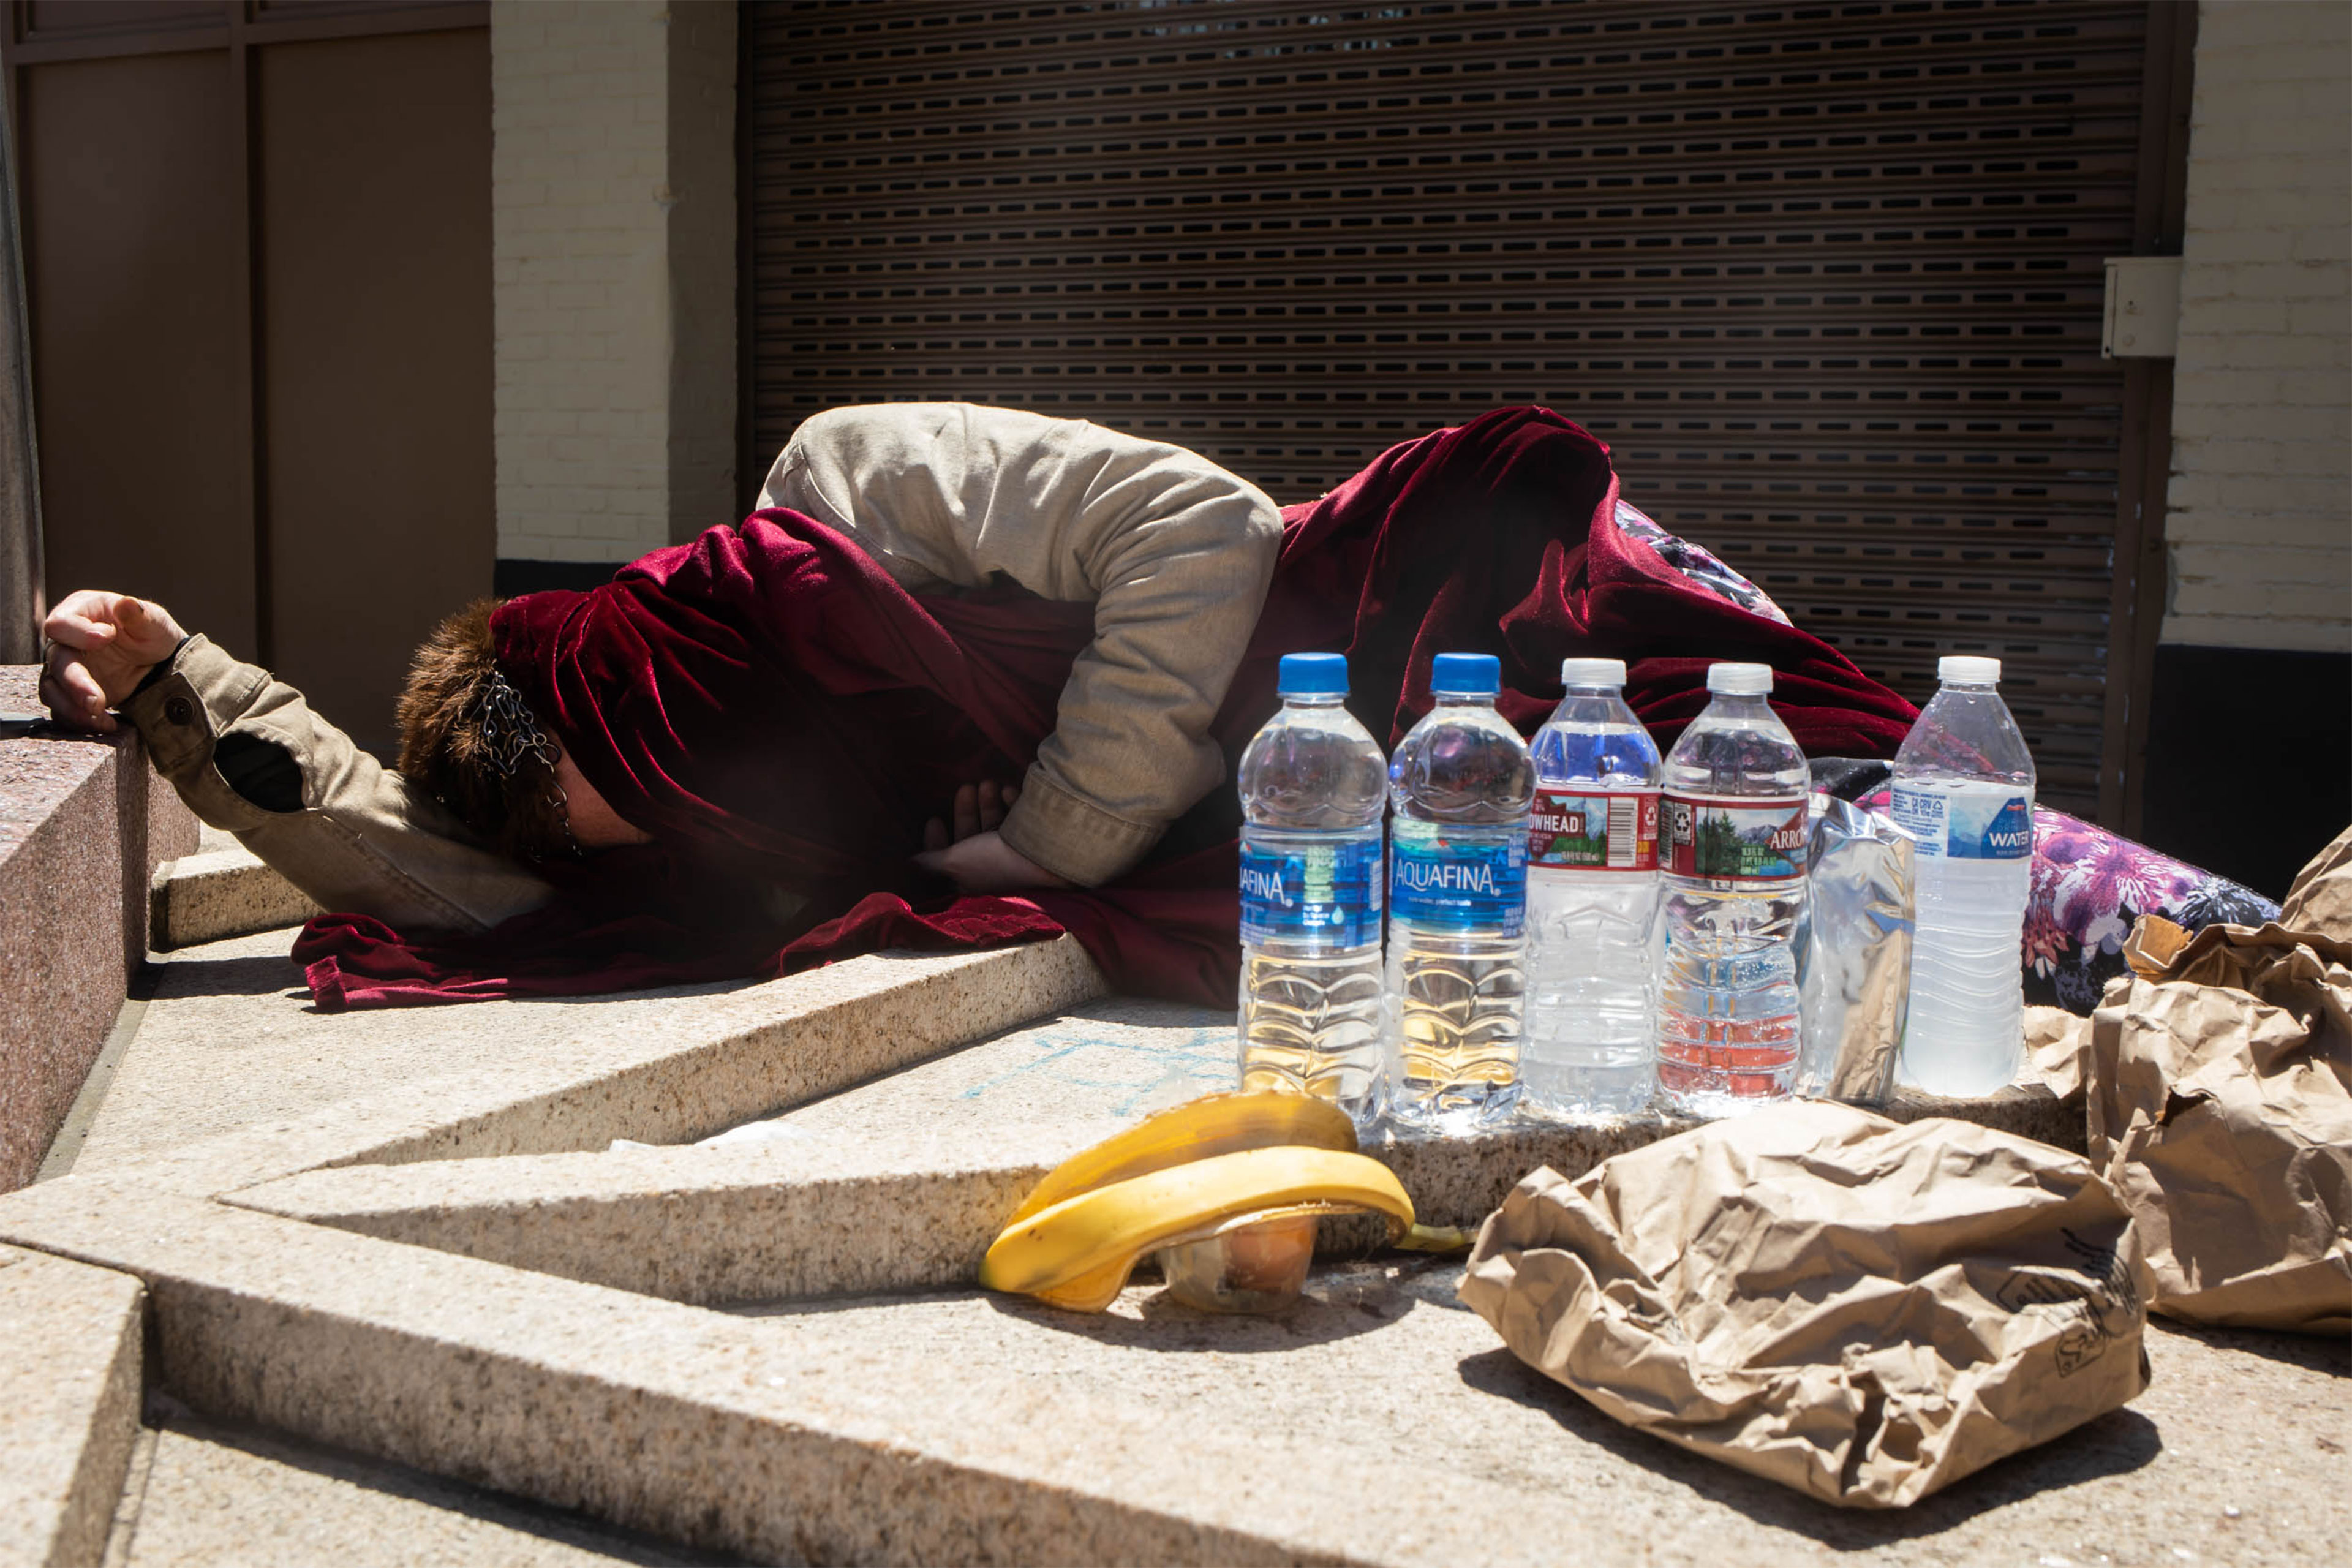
<point x="2143" y="308"/>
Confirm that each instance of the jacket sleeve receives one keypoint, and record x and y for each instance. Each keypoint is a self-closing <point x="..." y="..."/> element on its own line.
<point x="1174" y="551"/>
<point x="353" y="835"/>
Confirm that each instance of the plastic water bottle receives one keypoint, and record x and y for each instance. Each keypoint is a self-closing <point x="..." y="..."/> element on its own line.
<point x="1461" y="786"/>
<point x="1313" y="788"/>
<point x="1964" y="789"/>
<point x="1734" y="852"/>
<point x="1592" y="903"/>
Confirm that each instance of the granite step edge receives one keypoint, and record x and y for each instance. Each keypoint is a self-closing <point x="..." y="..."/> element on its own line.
<point x="219" y="894"/>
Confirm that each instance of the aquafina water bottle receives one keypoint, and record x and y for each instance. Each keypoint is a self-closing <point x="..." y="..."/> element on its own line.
<point x="1735" y="855"/>
<point x="1460" y="784"/>
<point x="1964" y="790"/>
<point x="1592" y="903"/>
<point x="1313" y="789"/>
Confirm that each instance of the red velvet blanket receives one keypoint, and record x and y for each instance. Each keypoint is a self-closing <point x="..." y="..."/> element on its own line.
<point x="779" y="714"/>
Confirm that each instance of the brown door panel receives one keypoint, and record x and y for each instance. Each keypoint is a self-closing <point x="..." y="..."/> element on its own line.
<point x="375" y="258"/>
<point x="130" y="196"/>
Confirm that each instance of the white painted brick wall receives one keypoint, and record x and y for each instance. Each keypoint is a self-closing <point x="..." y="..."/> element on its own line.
<point x="704" y="366"/>
<point x="585" y="255"/>
<point x="2260" y="524"/>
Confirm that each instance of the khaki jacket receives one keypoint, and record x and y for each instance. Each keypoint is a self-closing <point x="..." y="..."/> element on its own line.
<point x="362" y="839"/>
<point x="1174" y="552"/>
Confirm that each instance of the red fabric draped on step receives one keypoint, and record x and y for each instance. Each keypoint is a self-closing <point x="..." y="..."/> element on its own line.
<point x="780" y="715"/>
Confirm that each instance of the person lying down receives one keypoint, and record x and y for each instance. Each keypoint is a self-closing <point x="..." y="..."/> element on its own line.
<point x="967" y="676"/>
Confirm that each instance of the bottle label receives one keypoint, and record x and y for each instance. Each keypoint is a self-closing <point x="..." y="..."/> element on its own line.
<point x="1465" y="879"/>
<point x="1595" y="830"/>
<point x="1327" y="893"/>
<point x="1735" y="840"/>
<point x="1966" y="822"/>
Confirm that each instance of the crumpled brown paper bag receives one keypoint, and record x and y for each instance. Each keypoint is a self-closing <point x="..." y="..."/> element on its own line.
<point x="2321" y="899"/>
<point x="2055" y="1043"/>
<point x="2220" y="1106"/>
<point x="1858" y="1309"/>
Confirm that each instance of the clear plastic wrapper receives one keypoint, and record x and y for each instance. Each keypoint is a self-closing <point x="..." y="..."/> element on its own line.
<point x="1254" y="1265"/>
<point x="1854" y="954"/>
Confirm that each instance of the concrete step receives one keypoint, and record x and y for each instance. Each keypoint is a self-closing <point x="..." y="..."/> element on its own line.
<point x="204" y="1495"/>
<point x="72" y="1337"/>
<point x="413" y="1309"/>
<point x="221" y="892"/>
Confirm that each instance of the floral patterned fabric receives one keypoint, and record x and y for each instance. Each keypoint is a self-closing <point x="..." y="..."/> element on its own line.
<point x="2089" y="887"/>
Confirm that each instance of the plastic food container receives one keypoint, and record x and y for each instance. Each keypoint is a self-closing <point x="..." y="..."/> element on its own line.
<point x="1254" y="1263"/>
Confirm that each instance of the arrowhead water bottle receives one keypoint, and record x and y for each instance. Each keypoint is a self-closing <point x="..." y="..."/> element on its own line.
<point x="1460" y="786"/>
<point x="1964" y="789"/>
<point x="1592" y="903"/>
<point x="1313" y="788"/>
<point x="1733" y="855"/>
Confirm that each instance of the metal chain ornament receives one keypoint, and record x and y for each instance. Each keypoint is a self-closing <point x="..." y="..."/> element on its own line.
<point x="511" y="736"/>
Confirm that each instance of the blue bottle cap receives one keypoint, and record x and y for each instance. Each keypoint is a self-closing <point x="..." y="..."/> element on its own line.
<point x="1472" y="674"/>
<point x="1312" y="675"/>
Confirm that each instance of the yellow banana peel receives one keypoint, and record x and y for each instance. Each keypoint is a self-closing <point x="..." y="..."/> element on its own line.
<point x="1077" y="1252"/>
<point x="1196" y="1129"/>
<point x="1439" y="1238"/>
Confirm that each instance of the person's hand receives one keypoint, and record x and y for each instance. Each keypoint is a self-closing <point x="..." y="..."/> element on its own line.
<point x="969" y="854"/>
<point x="102" y="645"/>
<point x="979" y="808"/>
<point x="985" y="863"/>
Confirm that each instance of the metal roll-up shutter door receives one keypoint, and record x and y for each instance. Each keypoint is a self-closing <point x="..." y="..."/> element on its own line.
<point x="1828" y="278"/>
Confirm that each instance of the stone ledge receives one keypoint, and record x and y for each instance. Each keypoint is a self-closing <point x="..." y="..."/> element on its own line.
<point x="711" y="1226"/>
<point x="961" y="1427"/>
<point x="503" y="1078"/>
<point x="70" y="1395"/>
<point x="83" y="822"/>
<point x="950" y="1425"/>
<point x="901" y="1182"/>
<point x="711" y="1430"/>
<point x="222" y="893"/>
<point x="215" y="1496"/>
<point x="905" y="1207"/>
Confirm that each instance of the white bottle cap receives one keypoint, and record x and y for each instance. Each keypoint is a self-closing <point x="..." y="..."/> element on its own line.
<point x="1592" y="672"/>
<point x="1962" y="669"/>
<point x="1740" y="679"/>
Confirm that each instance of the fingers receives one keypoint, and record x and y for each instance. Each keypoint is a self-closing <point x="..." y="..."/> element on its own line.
<point x="148" y="633"/>
<point x="955" y="864"/>
<point x="979" y="808"/>
<point x="85" y="603"/>
<point x="135" y="622"/>
<point x="72" y="696"/>
<point x="74" y="683"/>
<point x="986" y="863"/>
<point x="92" y="618"/>
<point x="148" y="625"/>
<point x="81" y="620"/>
